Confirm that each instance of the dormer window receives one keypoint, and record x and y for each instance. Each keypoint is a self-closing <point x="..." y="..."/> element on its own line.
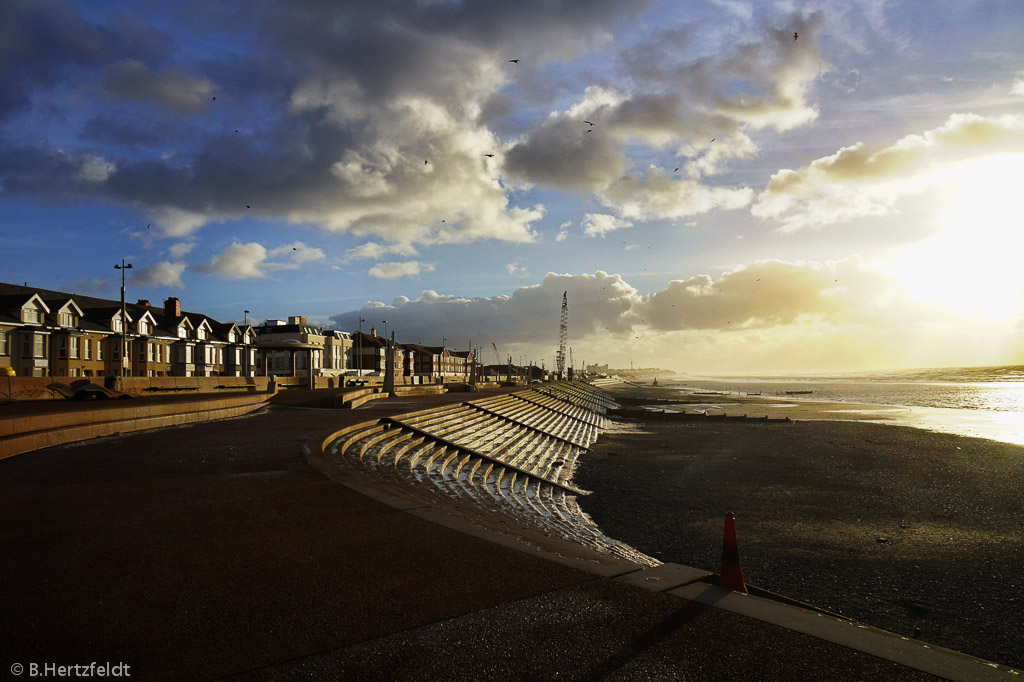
<point x="182" y="333"/>
<point x="231" y="337"/>
<point x="65" y="319"/>
<point x="30" y="315"/>
<point x="144" y="328"/>
<point x="201" y="333"/>
<point x="116" y="324"/>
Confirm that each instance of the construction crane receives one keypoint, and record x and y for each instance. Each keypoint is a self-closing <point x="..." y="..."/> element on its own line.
<point x="497" y="355"/>
<point x="562" y="334"/>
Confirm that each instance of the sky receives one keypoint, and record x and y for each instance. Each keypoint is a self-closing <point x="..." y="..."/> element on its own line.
<point x="720" y="186"/>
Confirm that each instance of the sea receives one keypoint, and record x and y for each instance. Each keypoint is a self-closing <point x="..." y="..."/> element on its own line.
<point x="984" y="402"/>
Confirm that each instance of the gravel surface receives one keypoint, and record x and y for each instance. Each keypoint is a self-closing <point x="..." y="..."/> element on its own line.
<point x="911" y="531"/>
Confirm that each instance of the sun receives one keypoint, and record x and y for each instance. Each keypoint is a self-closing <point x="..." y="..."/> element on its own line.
<point x="974" y="263"/>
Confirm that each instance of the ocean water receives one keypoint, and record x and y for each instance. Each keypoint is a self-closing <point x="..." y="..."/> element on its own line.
<point x="987" y="402"/>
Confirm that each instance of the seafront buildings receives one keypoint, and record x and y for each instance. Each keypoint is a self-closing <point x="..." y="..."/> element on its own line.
<point x="52" y="333"/>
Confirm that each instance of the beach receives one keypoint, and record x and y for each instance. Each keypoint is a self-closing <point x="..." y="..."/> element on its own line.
<point x="912" y="531"/>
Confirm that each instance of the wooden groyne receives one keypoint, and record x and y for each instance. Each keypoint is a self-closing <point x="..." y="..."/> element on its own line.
<point x="672" y="415"/>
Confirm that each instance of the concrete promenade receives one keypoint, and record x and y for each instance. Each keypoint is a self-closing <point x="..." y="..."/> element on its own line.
<point x="217" y="551"/>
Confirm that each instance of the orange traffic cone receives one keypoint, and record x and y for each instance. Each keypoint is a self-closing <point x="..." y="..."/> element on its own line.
<point x="731" y="575"/>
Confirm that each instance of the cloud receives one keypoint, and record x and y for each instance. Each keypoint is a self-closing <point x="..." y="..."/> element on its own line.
<point x="1018" y="84"/>
<point x="238" y="261"/>
<point x="597" y="302"/>
<point x="657" y="195"/>
<point x="768" y="294"/>
<point x="373" y="251"/>
<point x="350" y="100"/>
<point x="864" y="180"/>
<point x="599" y="224"/>
<point x="95" y="169"/>
<point x="515" y="269"/>
<point x="375" y="123"/>
<point x="96" y="286"/>
<point x="394" y="270"/>
<point x="680" y="102"/>
<point x="181" y="249"/>
<point x="171" y="87"/>
<point x="298" y="253"/>
<point x="781" y="305"/>
<point x="161" y="274"/>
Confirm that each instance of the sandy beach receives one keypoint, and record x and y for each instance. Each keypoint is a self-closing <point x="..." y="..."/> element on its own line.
<point x="915" y="532"/>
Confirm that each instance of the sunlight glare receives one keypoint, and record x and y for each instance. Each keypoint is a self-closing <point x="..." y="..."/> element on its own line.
<point x="973" y="264"/>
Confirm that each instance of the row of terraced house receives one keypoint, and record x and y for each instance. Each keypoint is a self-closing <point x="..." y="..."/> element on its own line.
<point x="52" y="333"/>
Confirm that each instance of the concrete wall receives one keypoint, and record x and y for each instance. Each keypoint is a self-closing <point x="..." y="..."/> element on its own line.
<point x="32" y="432"/>
<point x="34" y="388"/>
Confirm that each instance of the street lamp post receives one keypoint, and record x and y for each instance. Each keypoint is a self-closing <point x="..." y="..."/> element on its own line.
<point x="245" y="349"/>
<point x="124" y="327"/>
<point x="359" y="343"/>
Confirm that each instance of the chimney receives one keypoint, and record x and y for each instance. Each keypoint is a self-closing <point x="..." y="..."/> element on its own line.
<point x="297" y="319"/>
<point x="172" y="307"/>
<point x="144" y="302"/>
<point x="373" y="332"/>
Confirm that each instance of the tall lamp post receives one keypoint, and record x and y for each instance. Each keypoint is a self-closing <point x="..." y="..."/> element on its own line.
<point x="124" y="327"/>
<point x="245" y="349"/>
<point x="360" y="344"/>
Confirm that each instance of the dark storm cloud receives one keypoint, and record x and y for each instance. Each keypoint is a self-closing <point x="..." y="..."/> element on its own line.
<point x="565" y="152"/>
<point x="324" y="111"/>
<point x="43" y="41"/>
<point x="120" y="131"/>
<point x="171" y="87"/>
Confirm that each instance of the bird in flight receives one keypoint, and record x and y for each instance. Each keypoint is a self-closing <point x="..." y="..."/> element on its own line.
<point x="514" y="61"/>
<point x="676" y="170"/>
<point x="248" y="206"/>
<point x="713" y="139"/>
<point x="591" y="124"/>
<point x="489" y="155"/>
<point x="424" y="162"/>
<point x="795" y="34"/>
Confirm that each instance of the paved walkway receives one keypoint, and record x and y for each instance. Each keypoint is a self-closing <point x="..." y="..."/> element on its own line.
<point x="216" y="551"/>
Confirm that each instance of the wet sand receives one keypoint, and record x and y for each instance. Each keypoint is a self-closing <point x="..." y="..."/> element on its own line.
<point x="915" y="532"/>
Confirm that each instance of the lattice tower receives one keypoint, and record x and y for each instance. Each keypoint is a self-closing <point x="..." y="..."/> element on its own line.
<point x="563" y="333"/>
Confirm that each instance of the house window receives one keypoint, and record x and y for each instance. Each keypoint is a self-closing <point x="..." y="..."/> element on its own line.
<point x="201" y="333"/>
<point x="87" y="349"/>
<point x="39" y="345"/>
<point x="74" y="347"/>
<point x="159" y="353"/>
<point x="99" y="350"/>
<point x="188" y="354"/>
<point x="30" y="315"/>
<point x="73" y="372"/>
<point x="231" y="337"/>
<point x="62" y="349"/>
<point x="65" y="319"/>
<point x="3" y="343"/>
<point x="144" y="328"/>
<point x="182" y="332"/>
